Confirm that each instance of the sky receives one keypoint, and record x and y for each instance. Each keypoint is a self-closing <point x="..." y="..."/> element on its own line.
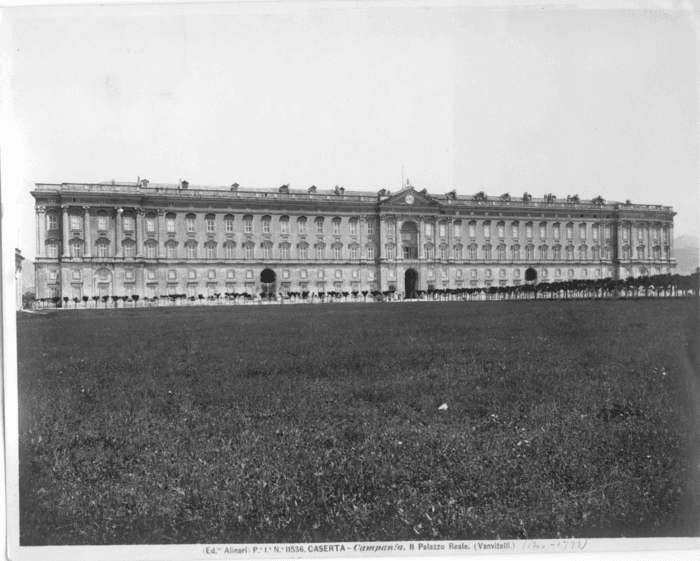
<point x="568" y="101"/>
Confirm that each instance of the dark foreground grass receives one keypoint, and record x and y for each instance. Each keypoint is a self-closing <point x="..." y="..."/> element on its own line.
<point x="320" y="423"/>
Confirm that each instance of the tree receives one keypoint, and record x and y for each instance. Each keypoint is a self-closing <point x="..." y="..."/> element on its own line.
<point x="364" y="294"/>
<point x="104" y="299"/>
<point x="76" y="300"/>
<point x="85" y="299"/>
<point x="95" y="298"/>
<point x="135" y="297"/>
<point x="115" y="299"/>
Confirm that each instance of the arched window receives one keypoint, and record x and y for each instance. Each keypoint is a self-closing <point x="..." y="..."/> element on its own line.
<point x="303" y="249"/>
<point x="336" y="226"/>
<point x="228" y="223"/>
<point x="210" y="248"/>
<point x="171" y="249"/>
<point x="428" y="229"/>
<point x="319" y="226"/>
<point x="191" y="250"/>
<point x="515" y="252"/>
<point x="266" y="250"/>
<point x="543" y="252"/>
<point x="529" y="252"/>
<point x="284" y="250"/>
<point x="230" y="250"/>
<point x="528" y="231"/>
<point x="191" y="222"/>
<point x="247" y="224"/>
<point x="284" y="225"/>
<point x="301" y="225"/>
<point x="52" y="221"/>
<point x="640" y="252"/>
<point x="515" y="230"/>
<point x="170" y="222"/>
<point x="458" y="252"/>
<point x="472" y="229"/>
<point x="487" y="251"/>
<point x="569" y="252"/>
<point x="556" y="250"/>
<point x="473" y="252"/>
<point x="502" y="252"/>
<point x="583" y="252"/>
<point x="266" y="227"/>
<point x="458" y="229"/>
<point x="151" y="249"/>
<point x="487" y="230"/>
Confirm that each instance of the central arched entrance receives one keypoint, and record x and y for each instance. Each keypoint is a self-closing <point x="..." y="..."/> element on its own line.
<point x="268" y="278"/>
<point x="530" y="275"/>
<point x="410" y="283"/>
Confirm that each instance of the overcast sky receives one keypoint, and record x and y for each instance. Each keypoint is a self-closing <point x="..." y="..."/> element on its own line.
<point x="569" y="101"/>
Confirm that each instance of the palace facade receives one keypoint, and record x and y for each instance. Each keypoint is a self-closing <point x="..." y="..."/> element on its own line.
<point x="152" y="239"/>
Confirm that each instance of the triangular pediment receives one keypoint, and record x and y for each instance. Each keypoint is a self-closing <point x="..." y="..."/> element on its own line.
<point x="409" y="197"/>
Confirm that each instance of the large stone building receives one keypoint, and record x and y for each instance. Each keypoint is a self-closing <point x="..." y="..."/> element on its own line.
<point x="153" y="239"/>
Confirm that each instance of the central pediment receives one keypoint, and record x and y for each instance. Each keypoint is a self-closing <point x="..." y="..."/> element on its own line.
<point x="409" y="197"/>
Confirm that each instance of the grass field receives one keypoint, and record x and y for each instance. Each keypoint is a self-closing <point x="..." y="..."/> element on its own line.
<point x="321" y="423"/>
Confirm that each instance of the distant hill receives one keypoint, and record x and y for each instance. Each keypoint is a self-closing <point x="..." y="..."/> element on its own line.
<point x="687" y="252"/>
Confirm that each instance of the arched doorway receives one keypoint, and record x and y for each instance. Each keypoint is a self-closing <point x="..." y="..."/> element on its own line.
<point x="268" y="278"/>
<point x="409" y="240"/>
<point x="410" y="283"/>
<point x="530" y="275"/>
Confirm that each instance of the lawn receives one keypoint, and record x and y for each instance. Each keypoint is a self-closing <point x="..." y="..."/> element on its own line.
<point x="322" y="422"/>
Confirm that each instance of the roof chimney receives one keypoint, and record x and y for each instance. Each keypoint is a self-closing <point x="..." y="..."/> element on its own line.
<point x="234" y="187"/>
<point x="312" y="189"/>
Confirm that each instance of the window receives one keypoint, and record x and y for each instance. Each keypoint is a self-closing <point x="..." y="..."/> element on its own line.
<point x="336" y="226"/>
<point x="557" y="272"/>
<point x="76" y="249"/>
<point x="582" y="252"/>
<point x="319" y="227"/>
<point x="626" y="252"/>
<point x="304" y="274"/>
<point x="472" y="229"/>
<point x="172" y="274"/>
<point x="301" y="225"/>
<point x="266" y="252"/>
<point x="569" y="232"/>
<point x="544" y="273"/>
<point x="129" y="250"/>
<point x="370" y="227"/>
<point x="528" y="231"/>
<point x="190" y="221"/>
<point x="569" y="252"/>
<point x="458" y="229"/>
<point x="151" y="251"/>
<point x="458" y="252"/>
<point x="211" y="251"/>
<point x="472" y="252"/>
<point x="228" y="224"/>
<point x="128" y="223"/>
<point x="514" y="230"/>
<point x="503" y="273"/>
<point x="129" y="274"/>
<point x="442" y="230"/>
<point x="501" y="231"/>
<point x="102" y="249"/>
<point x="608" y="232"/>
<point x="428" y="229"/>
<point x="665" y="232"/>
<point x="266" y="224"/>
<point x="191" y="251"/>
<point x="429" y="252"/>
<point x="248" y="251"/>
<point x="529" y="252"/>
<point x="516" y="273"/>
<point x="582" y="232"/>
<point x="473" y="273"/>
<point x="284" y="251"/>
<point x="353" y="252"/>
<point x="595" y="232"/>
<point x="170" y="223"/>
<point x="150" y="224"/>
<point x="172" y="251"/>
<point x="248" y="224"/>
<point x="443" y="252"/>
<point x="625" y="234"/>
<point x="76" y="274"/>
<point x="390" y="252"/>
<point x="571" y="273"/>
<point x="596" y="252"/>
<point x="543" y="252"/>
<point x="53" y="275"/>
<point x="608" y="252"/>
<point x="53" y="221"/>
<point x="515" y="252"/>
<point x="353" y="227"/>
<point x="391" y="228"/>
<point x="501" y="253"/>
<point x="320" y="251"/>
<point x="151" y="274"/>
<point x="230" y="251"/>
<point x="75" y="222"/>
<point x="211" y="273"/>
<point x="191" y="274"/>
<point x="488" y="273"/>
<point x="338" y="274"/>
<point x="543" y="231"/>
<point x="303" y="252"/>
<point x="557" y="252"/>
<point x="487" y="230"/>
<point x="556" y="231"/>
<point x="370" y="252"/>
<point x="640" y="252"/>
<point x="487" y="252"/>
<point x="209" y="221"/>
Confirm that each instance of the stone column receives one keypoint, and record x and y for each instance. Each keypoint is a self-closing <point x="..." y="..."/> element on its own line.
<point x="398" y="242"/>
<point x="160" y="232"/>
<point x="382" y="237"/>
<point x="419" y="238"/>
<point x="40" y="232"/>
<point x="139" y="232"/>
<point x="118" y="234"/>
<point x="66" y="233"/>
<point x="86" y="229"/>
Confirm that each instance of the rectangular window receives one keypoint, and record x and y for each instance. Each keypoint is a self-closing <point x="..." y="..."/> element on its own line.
<point x="353" y="227"/>
<point x="248" y="225"/>
<point x="529" y="252"/>
<point x="390" y="252"/>
<point x="303" y="252"/>
<point x="528" y="231"/>
<point x="458" y="252"/>
<point x="370" y="227"/>
<point x="151" y="251"/>
<point x="487" y="230"/>
<point x="569" y="232"/>
<point x="129" y="250"/>
<point x="231" y="274"/>
<point x="472" y="230"/>
<point x="543" y="232"/>
<point x="501" y="252"/>
<point x="266" y="252"/>
<point x="370" y="252"/>
<point x="75" y="222"/>
<point x="443" y="253"/>
<point x="284" y="227"/>
<point x="336" y="227"/>
<point x="556" y="232"/>
<point x="336" y="252"/>
<point x="595" y="231"/>
<point x="428" y="229"/>
<point x="514" y="231"/>
<point x="284" y="252"/>
<point x="211" y="252"/>
<point x="458" y="230"/>
<point x="501" y="231"/>
<point x="151" y="291"/>
<point x="170" y="225"/>
<point x="391" y="228"/>
<point x="266" y="226"/>
<point x="129" y="274"/>
<point x="608" y="232"/>
<point x="353" y="252"/>
<point x="228" y="224"/>
<point x="210" y="225"/>
<point x="172" y="251"/>
<point x="304" y="274"/>
<point x="211" y="274"/>
<point x="102" y="250"/>
<point x="101" y="222"/>
<point x="338" y="274"/>
<point x="150" y="225"/>
<point x="191" y="274"/>
<point x="53" y="222"/>
<point x="319" y="227"/>
<point x="190" y="224"/>
<point x="230" y="252"/>
<point x="172" y="274"/>
<point x="302" y="227"/>
<point x="76" y="249"/>
<point x="582" y="232"/>
<point x="543" y="253"/>
<point x="151" y="274"/>
<point x="128" y="223"/>
<point x="76" y="274"/>
<point x="487" y="252"/>
<point x="191" y="251"/>
<point x="442" y="230"/>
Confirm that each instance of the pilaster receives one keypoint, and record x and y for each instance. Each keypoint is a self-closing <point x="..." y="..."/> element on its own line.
<point x="160" y="232"/>
<point x="66" y="236"/>
<point x="118" y="235"/>
<point x="86" y="229"/>
<point x="139" y="232"/>
<point x="40" y="232"/>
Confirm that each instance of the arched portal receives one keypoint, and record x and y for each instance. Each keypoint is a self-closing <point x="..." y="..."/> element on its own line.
<point x="410" y="283"/>
<point x="409" y="240"/>
<point x="268" y="278"/>
<point x="530" y="275"/>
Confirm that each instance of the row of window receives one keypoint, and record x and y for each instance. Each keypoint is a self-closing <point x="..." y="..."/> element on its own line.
<point x="284" y="227"/>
